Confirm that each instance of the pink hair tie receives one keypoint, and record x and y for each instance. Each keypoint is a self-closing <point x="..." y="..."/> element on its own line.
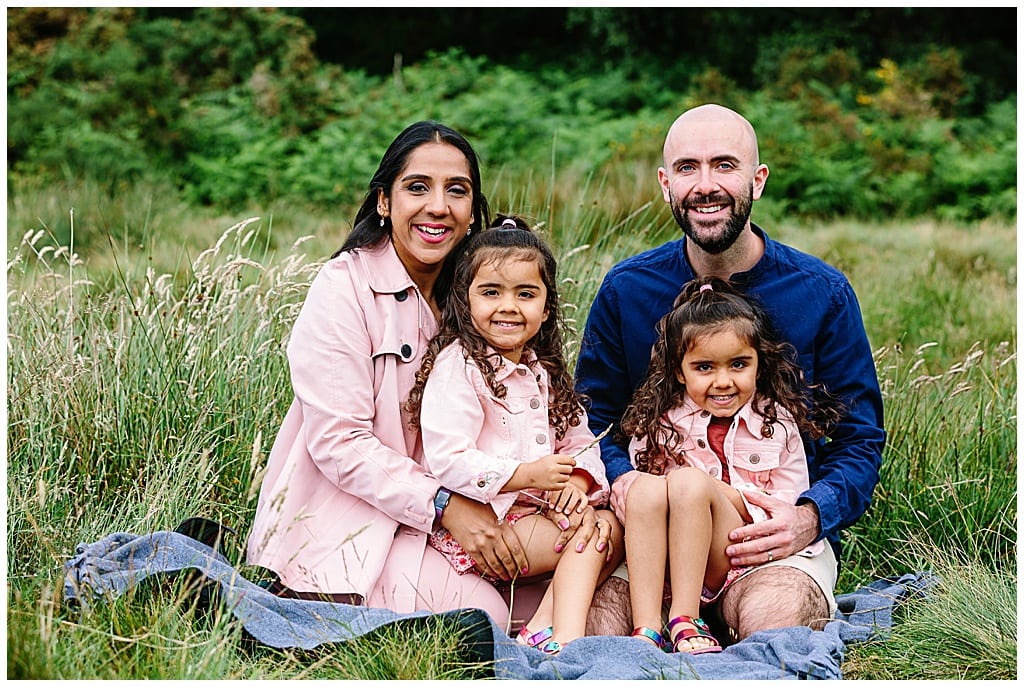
<point x="705" y="287"/>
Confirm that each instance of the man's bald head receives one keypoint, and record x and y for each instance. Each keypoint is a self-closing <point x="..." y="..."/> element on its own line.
<point x="716" y="116"/>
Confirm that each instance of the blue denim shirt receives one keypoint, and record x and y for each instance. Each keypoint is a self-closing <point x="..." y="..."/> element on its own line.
<point x="811" y="304"/>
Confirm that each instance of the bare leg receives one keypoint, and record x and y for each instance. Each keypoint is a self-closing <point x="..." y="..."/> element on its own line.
<point x="773" y="597"/>
<point x="700" y="519"/>
<point x="647" y="510"/>
<point x="576" y="577"/>
<point x="577" y="574"/>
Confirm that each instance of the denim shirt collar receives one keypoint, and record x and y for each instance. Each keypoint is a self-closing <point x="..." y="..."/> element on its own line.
<point x="741" y="279"/>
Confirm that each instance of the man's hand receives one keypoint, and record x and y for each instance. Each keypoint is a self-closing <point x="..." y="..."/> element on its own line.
<point x="493" y="545"/>
<point x="620" y="486"/>
<point x="789" y="529"/>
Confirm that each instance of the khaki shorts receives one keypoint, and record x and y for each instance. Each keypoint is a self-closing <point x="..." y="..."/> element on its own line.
<point x="822" y="568"/>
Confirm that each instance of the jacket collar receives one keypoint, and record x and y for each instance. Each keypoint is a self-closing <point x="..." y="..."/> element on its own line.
<point x="529" y="361"/>
<point x="385" y="273"/>
<point x="690" y="409"/>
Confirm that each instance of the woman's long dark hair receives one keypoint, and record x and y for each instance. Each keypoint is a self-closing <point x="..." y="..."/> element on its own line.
<point x="367" y="229"/>
<point x="513" y="241"/>
<point x="696" y="313"/>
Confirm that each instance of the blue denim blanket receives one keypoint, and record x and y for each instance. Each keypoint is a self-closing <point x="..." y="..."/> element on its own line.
<point x="109" y="567"/>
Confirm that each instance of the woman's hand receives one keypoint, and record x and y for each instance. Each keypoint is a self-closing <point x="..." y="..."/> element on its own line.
<point x="493" y="545"/>
<point x="581" y="528"/>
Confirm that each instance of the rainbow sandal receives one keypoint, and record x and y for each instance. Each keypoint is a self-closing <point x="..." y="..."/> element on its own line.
<point x="539" y="638"/>
<point x="551" y="648"/>
<point x="698" y="628"/>
<point x="652" y="635"/>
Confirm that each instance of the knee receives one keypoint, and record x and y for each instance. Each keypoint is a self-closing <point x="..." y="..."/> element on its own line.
<point x="689" y="486"/>
<point x="772" y="598"/>
<point x="646" y="497"/>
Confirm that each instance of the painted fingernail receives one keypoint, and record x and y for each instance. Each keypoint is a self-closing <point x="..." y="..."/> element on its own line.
<point x="564" y="524"/>
<point x="558" y="548"/>
<point x="525" y="570"/>
<point x="579" y="548"/>
<point x="600" y="546"/>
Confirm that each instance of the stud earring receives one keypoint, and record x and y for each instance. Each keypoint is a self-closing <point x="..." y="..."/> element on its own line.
<point x="382" y="222"/>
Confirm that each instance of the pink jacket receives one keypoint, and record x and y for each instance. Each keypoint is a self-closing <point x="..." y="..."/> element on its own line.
<point x="344" y="488"/>
<point x="776" y="466"/>
<point x="473" y="441"/>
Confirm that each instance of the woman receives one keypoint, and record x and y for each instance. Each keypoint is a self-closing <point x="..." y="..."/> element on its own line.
<point x="345" y="506"/>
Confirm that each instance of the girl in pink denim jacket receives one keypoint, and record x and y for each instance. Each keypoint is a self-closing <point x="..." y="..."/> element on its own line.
<point x="718" y="415"/>
<point x="502" y="424"/>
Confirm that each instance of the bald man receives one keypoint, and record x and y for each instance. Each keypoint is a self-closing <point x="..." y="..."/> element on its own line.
<point x="711" y="177"/>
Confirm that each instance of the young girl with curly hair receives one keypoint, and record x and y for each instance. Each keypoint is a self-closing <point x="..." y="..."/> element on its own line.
<point x="501" y="423"/>
<point x="718" y="415"/>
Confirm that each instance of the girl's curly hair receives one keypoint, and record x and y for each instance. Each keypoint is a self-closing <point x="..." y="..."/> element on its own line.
<point x="510" y="238"/>
<point x="699" y="311"/>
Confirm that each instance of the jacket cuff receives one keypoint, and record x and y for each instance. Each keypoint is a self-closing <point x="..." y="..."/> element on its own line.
<point x="825" y="500"/>
<point x="616" y="466"/>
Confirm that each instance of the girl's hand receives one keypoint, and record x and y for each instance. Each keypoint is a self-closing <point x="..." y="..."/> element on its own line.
<point x="549" y="473"/>
<point x="570" y="498"/>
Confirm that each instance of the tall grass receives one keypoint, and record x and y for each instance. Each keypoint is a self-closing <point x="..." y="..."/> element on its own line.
<point x="139" y="395"/>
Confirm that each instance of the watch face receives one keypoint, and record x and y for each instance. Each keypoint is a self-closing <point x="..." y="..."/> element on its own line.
<point x="441" y="500"/>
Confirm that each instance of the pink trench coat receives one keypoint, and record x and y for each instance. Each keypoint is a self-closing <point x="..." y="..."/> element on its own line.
<point x="343" y="508"/>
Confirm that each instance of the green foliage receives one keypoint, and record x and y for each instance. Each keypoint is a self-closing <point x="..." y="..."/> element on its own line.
<point x="948" y="476"/>
<point x="965" y="630"/>
<point x="231" y="106"/>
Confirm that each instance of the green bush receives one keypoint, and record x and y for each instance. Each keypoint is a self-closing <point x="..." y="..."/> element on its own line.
<point x="231" y="107"/>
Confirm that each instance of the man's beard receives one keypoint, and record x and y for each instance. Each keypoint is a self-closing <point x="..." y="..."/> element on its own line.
<point x="733" y="227"/>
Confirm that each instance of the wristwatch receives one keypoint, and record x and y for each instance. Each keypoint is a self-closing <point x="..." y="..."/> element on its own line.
<point x="440" y="503"/>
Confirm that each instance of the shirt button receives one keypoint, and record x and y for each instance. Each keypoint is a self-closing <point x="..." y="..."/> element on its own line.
<point x="406" y="351"/>
<point x="535" y="403"/>
<point x="704" y="413"/>
<point x="401" y="296"/>
<point x="713" y="472"/>
<point x="754" y="459"/>
<point x="700" y="442"/>
<point x="481" y="483"/>
<point x="522" y="372"/>
<point x="542" y="438"/>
